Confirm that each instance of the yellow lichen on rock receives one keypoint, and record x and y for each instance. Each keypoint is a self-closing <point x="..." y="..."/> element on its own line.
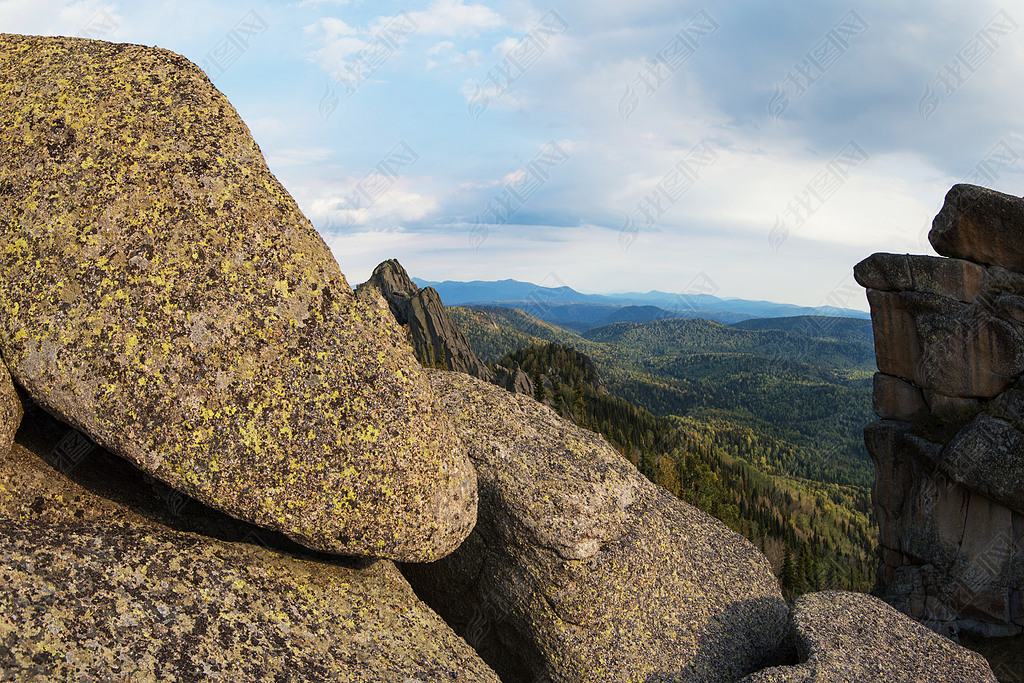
<point x="105" y="579"/>
<point x="10" y="410"/>
<point x="163" y="293"/>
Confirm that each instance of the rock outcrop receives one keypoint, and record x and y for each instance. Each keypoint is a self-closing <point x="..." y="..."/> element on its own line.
<point x="949" y="451"/>
<point x="855" y="638"/>
<point x="436" y="340"/>
<point x="162" y="292"/>
<point x="580" y="569"/>
<point x="514" y="379"/>
<point x="97" y="588"/>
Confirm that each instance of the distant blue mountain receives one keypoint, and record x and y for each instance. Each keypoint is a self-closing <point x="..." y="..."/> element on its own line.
<point x="566" y="305"/>
<point x="480" y="291"/>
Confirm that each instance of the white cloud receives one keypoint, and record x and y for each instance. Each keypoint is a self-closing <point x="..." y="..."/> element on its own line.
<point x="443" y="46"/>
<point x="279" y="158"/>
<point x="452" y="18"/>
<point x="455" y="18"/>
<point x="85" y="18"/>
<point x="463" y="61"/>
<point x="333" y="28"/>
<point x="330" y="213"/>
<point x="317" y="3"/>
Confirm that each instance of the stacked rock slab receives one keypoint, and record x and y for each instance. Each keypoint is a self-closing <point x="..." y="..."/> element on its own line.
<point x="163" y="293"/>
<point x="102" y="588"/>
<point x="949" y="449"/>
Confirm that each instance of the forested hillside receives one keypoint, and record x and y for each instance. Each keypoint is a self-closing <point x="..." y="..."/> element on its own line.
<point x="721" y="418"/>
<point x="494" y="331"/>
<point x="819" y="326"/>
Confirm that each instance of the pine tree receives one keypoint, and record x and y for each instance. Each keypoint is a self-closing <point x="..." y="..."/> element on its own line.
<point x="538" y="386"/>
<point x="788" y="575"/>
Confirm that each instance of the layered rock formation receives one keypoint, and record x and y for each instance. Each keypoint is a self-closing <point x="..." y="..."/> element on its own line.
<point x="436" y="340"/>
<point x="162" y="292"/>
<point x="103" y="580"/>
<point x="949" y="451"/>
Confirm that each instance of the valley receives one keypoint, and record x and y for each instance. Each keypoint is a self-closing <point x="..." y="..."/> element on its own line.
<point x="758" y="423"/>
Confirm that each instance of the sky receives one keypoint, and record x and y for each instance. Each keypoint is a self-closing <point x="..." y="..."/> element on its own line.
<point x="755" y="149"/>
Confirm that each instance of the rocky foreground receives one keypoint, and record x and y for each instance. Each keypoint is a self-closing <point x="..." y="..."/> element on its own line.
<point x="212" y="450"/>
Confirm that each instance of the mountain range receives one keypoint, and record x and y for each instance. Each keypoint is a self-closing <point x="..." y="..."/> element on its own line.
<point x="574" y="310"/>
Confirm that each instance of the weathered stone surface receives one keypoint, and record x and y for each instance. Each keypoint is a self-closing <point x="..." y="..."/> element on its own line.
<point x="944" y="345"/>
<point x="114" y="600"/>
<point x="951" y="556"/>
<point x="953" y="278"/>
<point x="582" y="570"/>
<point x="949" y="486"/>
<point x="891" y="447"/>
<point x="163" y="293"/>
<point x="1009" y="307"/>
<point x="980" y="225"/>
<point x="436" y="340"/>
<point x="857" y="638"/>
<point x="896" y="399"/>
<point x="11" y="410"/>
<point x="897" y="350"/>
<point x="94" y="590"/>
<point x="923" y="510"/>
<point x="950" y="405"/>
<point x="988" y="456"/>
<point x="964" y="351"/>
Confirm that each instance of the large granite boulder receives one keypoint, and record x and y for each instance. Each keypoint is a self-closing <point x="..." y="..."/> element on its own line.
<point x="856" y="638"/>
<point x="580" y="569"/>
<point x="163" y="293"/>
<point x="436" y="339"/>
<point x="99" y="588"/>
<point x="980" y="225"/>
<point x="949" y="451"/>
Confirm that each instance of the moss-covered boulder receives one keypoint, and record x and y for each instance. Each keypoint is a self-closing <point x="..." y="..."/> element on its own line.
<point x="162" y="292"/>
<point x="580" y="569"/>
<point x="99" y="588"/>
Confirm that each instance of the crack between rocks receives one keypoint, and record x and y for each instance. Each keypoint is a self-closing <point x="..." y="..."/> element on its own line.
<point x="963" y="531"/>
